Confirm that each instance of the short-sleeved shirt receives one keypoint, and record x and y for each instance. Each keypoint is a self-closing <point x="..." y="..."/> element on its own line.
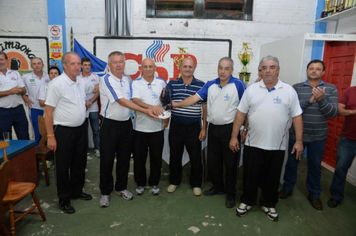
<point x="269" y="113"/>
<point x="180" y="91"/>
<point x="8" y="81"/>
<point x="68" y="98"/>
<point x="348" y="98"/>
<point x="148" y="93"/>
<point x="94" y="80"/>
<point x="111" y="90"/>
<point x="222" y="102"/>
<point x="42" y="94"/>
<point x="33" y="85"/>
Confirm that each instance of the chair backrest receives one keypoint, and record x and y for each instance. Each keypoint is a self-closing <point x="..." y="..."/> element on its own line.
<point x="3" y="145"/>
<point x="42" y="130"/>
<point x="4" y="182"/>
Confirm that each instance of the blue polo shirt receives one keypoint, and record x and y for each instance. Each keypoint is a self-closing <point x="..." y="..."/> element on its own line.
<point x="180" y="91"/>
<point x="222" y="101"/>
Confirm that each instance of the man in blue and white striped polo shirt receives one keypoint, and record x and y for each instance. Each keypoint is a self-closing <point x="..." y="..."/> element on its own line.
<point x="186" y="128"/>
<point x="223" y="96"/>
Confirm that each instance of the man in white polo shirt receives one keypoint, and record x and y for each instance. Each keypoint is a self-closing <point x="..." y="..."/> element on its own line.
<point x="33" y="82"/>
<point x="223" y="95"/>
<point x="148" y="134"/>
<point x="12" y="112"/>
<point x="116" y="134"/>
<point x="67" y="137"/>
<point x="269" y="104"/>
<point x="91" y="103"/>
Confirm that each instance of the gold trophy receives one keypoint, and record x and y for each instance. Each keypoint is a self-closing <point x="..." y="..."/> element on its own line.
<point x="245" y="56"/>
<point x="326" y="11"/>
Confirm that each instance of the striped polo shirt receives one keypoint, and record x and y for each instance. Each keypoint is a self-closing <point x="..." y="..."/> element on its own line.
<point x="179" y="91"/>
<point x="315" y="115"/>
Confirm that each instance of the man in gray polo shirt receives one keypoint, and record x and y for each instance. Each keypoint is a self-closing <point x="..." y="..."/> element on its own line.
<point x="319" y="102"/>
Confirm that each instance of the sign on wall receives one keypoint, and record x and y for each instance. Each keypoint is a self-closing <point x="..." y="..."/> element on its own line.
<point x="165" y="52"/>
<point x="55" y="41"/>
<point x="21" y="49"/>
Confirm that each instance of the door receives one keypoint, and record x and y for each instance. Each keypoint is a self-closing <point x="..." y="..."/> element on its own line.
<point x="339" y="58"/>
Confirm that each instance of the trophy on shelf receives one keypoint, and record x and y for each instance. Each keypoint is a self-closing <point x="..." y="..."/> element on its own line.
<point x="245" y="56"/>
<point x="327" y="11"/>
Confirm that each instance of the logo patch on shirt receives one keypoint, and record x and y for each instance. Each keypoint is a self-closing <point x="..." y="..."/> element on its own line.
<point x="277" y="100"/>
<point x="93" y="80"/>
<point x="32" y="80"/>
<point x="227" y="97"/>
<point x="128" y="94"/>
<point x="13" y="78"/>
<point x="154" y="95"/>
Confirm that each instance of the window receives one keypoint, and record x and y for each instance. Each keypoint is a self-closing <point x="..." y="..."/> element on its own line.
<point x="200" y="9"/>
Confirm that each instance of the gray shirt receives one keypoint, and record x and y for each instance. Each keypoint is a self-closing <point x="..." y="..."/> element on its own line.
<point x="315" y="115"/>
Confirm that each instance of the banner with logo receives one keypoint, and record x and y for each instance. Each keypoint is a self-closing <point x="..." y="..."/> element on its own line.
<point x="20" y="50"/>
<point x="166" y="53"/>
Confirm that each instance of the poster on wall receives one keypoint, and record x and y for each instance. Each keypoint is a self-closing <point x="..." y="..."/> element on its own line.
<point x="21" y="49"/>
<point x="55" y="41"/>
<point x="166" y="52"/>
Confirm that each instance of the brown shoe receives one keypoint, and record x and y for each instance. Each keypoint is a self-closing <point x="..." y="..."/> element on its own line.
<point x="284" y="193"/>
<point x="316" y="202"/>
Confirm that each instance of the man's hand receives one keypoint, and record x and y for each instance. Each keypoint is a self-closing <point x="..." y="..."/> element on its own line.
<point x="243" y="136"/>
<point x="150" y="112"/>
<point x="234" y="144"/>
<point x="88" y="104"/>
<point x="298" y="146"/>
<point x="312" y="99"/>
<point x="52" y="144"/>
<point x="202" y="134"/>
<point x="27" y="100"/>
<point x="157" y="110"/>
<point x="16" y="90"/>
<point x="318" y="93"/>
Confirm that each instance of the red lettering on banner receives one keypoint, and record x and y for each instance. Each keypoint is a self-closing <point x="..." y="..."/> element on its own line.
<point x="162" y="73"/>
<point x="138" y="59"/>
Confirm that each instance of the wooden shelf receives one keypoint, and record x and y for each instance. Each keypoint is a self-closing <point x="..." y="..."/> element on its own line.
<point x="338" y="16"/>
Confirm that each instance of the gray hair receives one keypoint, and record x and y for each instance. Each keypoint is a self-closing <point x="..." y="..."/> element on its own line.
<point x="3" y="53"/>
<point x="64" y="57"/>
<point x="229" y="59"/>
<point x="118" y="53"/>
<point x="270" y="58"/>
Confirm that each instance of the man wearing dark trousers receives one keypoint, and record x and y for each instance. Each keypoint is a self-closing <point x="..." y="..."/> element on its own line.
<point x="12" y="112"/>
<point x="223" y="96"/>
<point x="67" y="137"/>
<point x="116" y="133"/>
<point x="186" y="129"/>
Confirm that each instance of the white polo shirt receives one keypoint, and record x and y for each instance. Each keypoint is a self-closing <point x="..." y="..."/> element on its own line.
<point x="269" y="113"/>
<point x="222" y="101"/>
<point x="7" y="82"/>
<point x="33" y="84"/>
<point x="112" y="89"/>
<point x="148" y="93"/>
<point x="94" y="80"/>
<point x="43" y="92"/>
<point x="68" y="98"/>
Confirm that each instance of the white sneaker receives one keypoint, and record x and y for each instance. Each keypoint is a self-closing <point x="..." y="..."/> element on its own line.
<point x="97" y="153"/>
<point x="104" y="201"/>
<point x="243" y="209"/>
<point x="155" y="190"/>
<point x="140" y="190"/>
<point x="172" y="188"/>
<point x="197" y="191"/>
<point x="126" y="194"/>
<point x="271" y="213"/>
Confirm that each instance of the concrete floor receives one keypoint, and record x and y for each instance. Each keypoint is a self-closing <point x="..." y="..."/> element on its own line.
<point x="182" y="213"/>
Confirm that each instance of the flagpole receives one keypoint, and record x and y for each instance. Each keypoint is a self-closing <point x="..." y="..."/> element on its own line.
<point x="71" y="39"/>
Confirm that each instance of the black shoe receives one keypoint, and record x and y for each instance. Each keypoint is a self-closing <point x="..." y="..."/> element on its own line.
<point x="83" y="196"/>
<point x="284" y="193"/>
<point x="316" y="202"/>
<point x="230" y="201"/>
<point x="333" y="203"/>
<point x="212" y="192"/>
<point x="66" y="207"/>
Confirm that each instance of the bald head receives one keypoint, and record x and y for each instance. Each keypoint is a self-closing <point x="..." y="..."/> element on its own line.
<point x="148" y="68"/>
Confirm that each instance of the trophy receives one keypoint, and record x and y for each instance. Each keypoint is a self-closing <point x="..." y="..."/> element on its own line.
<point x="326" y="11"/>
<point x="166" y="100"/>
<point x="245" y="56"/>
<point x="178" y="61"/>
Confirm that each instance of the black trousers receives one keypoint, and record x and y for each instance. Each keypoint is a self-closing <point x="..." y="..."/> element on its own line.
<point x="116" y="139"/>
<point x="188" y="135"/>
<point x="219" y="153"/>
<point x="143" y="142"/>
<point x="261" y="167"/>
<point x="14" y="117"/>
<point x="71" y="160"/>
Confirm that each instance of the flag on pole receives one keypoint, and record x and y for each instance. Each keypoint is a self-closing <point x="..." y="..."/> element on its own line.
<point x="71" y="39"/>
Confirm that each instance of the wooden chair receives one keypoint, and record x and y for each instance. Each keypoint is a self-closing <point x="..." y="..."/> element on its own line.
<point x="17" y="191"/>
<point x="4" y="182"/>
<point x="41" y="149"/>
